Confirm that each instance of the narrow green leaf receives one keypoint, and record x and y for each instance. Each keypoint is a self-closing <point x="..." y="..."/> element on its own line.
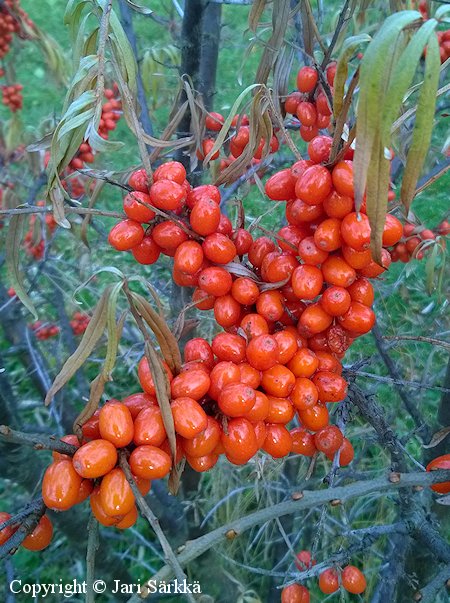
<point x="423" y="125"/>
<point x="430" y="268"/>
<point x="348" y="49"/>
<point x="143" y="10"/>
<point x="13" y="246"/>
<point x="375" y="67"/>
<point x="94" y="331"/>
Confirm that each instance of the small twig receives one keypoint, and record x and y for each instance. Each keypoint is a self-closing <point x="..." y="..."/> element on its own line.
<point x="422" y="339"/>
<point x="69" y="210"/>
<point x="429" y="592"/>
<point x="31" y="507"/>
<point x="343" y="19"/>
<point x="154" y="523"/>
<point x="396" y="381"/>
<point x="27" y="526"/>
<point x="91" y="551"/>
<point x="39" y="442"/>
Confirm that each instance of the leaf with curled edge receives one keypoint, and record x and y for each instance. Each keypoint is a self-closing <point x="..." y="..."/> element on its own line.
<point x="340" y="79"/>
<point x="13" y="244"/>
<point x="376" y="198"/>
<point x="91" y="336"/>
<point x="374" y="73"/>
<point x="423" y="125"/>
<point x="143" y="10"/>
<point x="57" y="199"/>
<point x="437" y="437"/>
<point x="166" y="340"/>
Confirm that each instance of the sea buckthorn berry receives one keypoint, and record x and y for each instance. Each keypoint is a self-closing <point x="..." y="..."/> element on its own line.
<point x="306" y="113"/>
<point x="263" y="352"/>
<point x="249" y="375"/>
<point x="205" y="217"/>
<point x="90" y="428"/>
<point x="245" y="291"/>
<point x="202" y="300"/>
<point x="303" y="560"/>
<point x="338" y="339"/>
<point x="322" y="104"/>
<point x="308" y="133"/>
<point x="309" y="253"/>
<point x="239" y="440"/>
<point x="68" y="439"/>
<point x="356" y="259"/>
<point x="353" y="580"/>
<point x="346" y="453"/>
<point x="189" y="257"/>
<point x="167" y="195"/>
<point x="260" y="408"/>
<point x="304" y="363"/>
<point x="314" y="185"/>
<point x="329" y="439"/>
<point x="137" y="402"/>
<point x="128" y="520"/>
<point x="337" y="272"/>
<point x="373" y="269"/>
<point x="280" y="268"/>
<point x="289" y="238"/>
<point x="314" y="320"/>
<point x="328" y="235"/>
<point x="330" y="386"/>
<point x="328" y="362"/>
<point x="307" y="281"/>
<point x="300" y="213"/>
<point x="146" y="252"/>
<point x="193" y="384"/>
<point x="204" y="191"/>
<point x="342" y="176"/>
<point x="170" y="170"/>
<point x="199" y="349"/>
<point x="259" y="249"/>
<point x="134" y="208"/>
<point x="304" y="394"/>
<point x="291" y="102"/>
<point x="358" y="318"/>
<point x="287" y="344"/>
<point x="303" y="442"/>
<point x="150" y="462"/>
<point x="355" y="231"/>
<point x="236" y="400"/>
<point x="440" y="462"/>
<point x="299" y="167"/>
<point x="335" y="300"/>
<point x="7" y="532"/>
<point x="145" y="376"/>
<point x="60" y="485"/>
<point x="139" y="181"/>
<point x="205" y="442"/>
<point x="214" y="121"/>
<point x="229" y="346"/>
<point x="242" y="240"/>
<point x="40" y="537"/>
<point x="295" y="593"/>
<point x="280" y="410"/>
<point x="149" y="427"/>
<point x="86" y="487"/>
<point x="188" y="416"/>
<point x="202" y="463"/>
<point x="392" y="231"/>
<point x="125" y="235"/>
<point x="227" y="311"/>
<point x="278" y="441"/>
<point x="307" y="78"/>
<point x="219" y="248"/>
<point x="94" y="459"/>
<point x="116" y="424"/>
<point x="223" y="374"/>
<point x="319" y="149"/>
<point x="314" y="418"/>
<point x="215" y="281"/>
<point x="337" y="206"/>
<point x="270" y="305"/>
<point x="329" y="581"/>
<point x="278" y="381"/>
<point x="168" y="235"/>
<point x="254" y="325"/>
<point x="98" y="511"/>
<point x="281" y="186"/>
<point x="116" y="495"/>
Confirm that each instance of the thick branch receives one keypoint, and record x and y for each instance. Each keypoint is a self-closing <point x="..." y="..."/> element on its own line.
<point x="39" y="442"/>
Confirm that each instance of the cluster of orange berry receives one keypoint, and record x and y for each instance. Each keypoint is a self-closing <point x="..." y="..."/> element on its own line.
<point x="34" y="243"/>
<point x="12" y="97"/>
<point x="413" y="242"/>
<point x="44" y="330"/>
<point x="111" y="112"/>
<point x="9" y="24"/>
<point x="79" y="323"/>
<point x="309" y="103"/>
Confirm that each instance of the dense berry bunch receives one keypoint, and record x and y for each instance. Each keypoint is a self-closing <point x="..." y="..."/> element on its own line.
<point x="415" y="241"/>
<point x="111" y="113"/>
<point x="79" y="323"/>
<point x="442" y="36"/>
<point x="34" y="241"/>
<point x="44" y="330"/>
<point x="310" y="103"/>
<point x="10" y="25"/>
<point x="12" y="97"/>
